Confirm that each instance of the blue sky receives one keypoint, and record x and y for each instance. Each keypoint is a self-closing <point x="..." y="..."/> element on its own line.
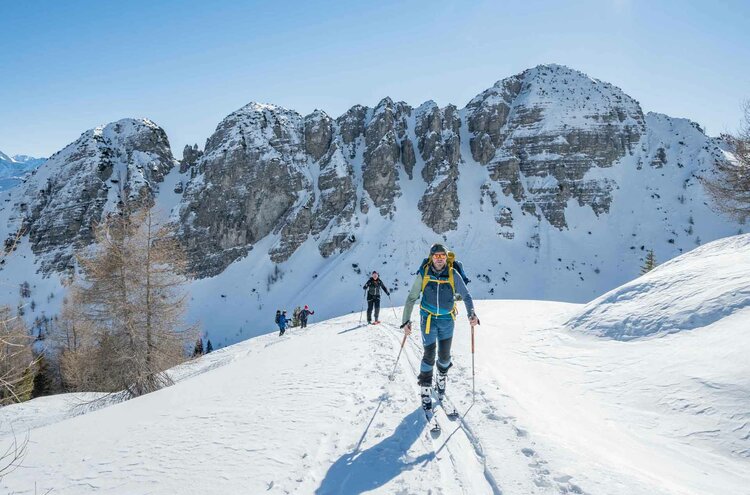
<point x="66" y="67"/>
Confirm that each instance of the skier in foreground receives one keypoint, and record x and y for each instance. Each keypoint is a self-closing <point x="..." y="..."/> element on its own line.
<point x="373" y="286"/>
<point x="437" y="282"/>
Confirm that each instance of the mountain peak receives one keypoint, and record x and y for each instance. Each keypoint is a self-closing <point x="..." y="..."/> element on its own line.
<point x="257" y="107"/>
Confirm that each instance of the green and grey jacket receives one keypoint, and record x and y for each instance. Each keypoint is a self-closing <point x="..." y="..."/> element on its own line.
<point x="438" y="298"/>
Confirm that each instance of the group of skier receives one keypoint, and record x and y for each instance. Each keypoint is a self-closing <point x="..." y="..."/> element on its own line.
<point x="300" y="317"/>
<point x="440" y="282"/>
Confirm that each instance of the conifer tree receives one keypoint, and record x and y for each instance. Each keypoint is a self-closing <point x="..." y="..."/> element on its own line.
<point x="198" y="350"/>
<point x="650" y="263"/>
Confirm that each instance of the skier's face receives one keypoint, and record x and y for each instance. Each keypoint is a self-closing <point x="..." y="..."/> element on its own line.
<point x="374" y="276"/>
<point x="439" y="260"/>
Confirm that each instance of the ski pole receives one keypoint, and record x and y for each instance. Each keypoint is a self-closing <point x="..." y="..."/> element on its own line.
<point x="362" y="309"/>
<point x="473" y="390"/>
<point x="403" y="341"/>
<point x="394" y="309"/>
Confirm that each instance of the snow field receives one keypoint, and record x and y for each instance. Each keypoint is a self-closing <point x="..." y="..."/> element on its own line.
<point x="314" y="412"/>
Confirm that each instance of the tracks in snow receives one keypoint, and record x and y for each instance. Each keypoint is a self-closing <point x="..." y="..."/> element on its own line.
<point x="508" y="464"/>
<point x="467" y="462"/>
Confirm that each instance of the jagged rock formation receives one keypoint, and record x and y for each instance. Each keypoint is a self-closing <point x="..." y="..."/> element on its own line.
<point x="541" y="131"/>
<point x="537" y="134"/>
<point x="60" y="204"/>
<point x="190" y="157"/>
<point x="523" y="154"/>
<point x="439" y="145"/>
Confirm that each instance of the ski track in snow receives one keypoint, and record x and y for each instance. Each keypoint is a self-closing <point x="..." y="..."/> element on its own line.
<point x="515" y="439"/>
<point x="380" y="458"/>
<point x="314" y="412"/>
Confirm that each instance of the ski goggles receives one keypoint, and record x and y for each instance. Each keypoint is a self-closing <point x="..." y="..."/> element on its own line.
<point x="439" y="256"/>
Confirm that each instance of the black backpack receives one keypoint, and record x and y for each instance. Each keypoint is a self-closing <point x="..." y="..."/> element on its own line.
<point x="278" y="315"/>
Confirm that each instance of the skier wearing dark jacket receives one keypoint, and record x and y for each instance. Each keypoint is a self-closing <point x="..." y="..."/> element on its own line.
<point x="373" y="286"/>
<point x="303" y="316"/>
<point x="438" y="283"/>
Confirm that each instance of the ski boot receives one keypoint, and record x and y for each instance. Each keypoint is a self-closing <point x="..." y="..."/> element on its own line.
<point x="426" y="393"/>
<point x="440" y="382"/>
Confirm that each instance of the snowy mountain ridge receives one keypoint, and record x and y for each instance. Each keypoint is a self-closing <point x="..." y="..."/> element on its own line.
<point x="548" y="185"/>
<point x="14" y="168"/>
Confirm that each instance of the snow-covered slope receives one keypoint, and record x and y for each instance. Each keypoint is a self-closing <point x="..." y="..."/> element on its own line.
<point x="313" y="412"/>
<point x="690" y="291"/>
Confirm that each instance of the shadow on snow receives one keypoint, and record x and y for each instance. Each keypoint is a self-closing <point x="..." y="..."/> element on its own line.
<point x="353" y="328"/>
<point x="360" y="471"/>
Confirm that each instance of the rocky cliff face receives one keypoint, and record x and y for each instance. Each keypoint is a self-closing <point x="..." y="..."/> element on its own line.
<point x="439" y="144"/>
<point x="548" y="185"/>
<point x="525" y="154"/>
<point x="537" y="135"/>
<point x="62" y="201"/>
<point x="540" y="132"/>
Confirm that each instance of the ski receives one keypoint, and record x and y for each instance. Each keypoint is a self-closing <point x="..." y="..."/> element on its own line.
<point x="435" y="430"/>
<point x="429" y="410"/>
<point x="448" y="407"/>
<point x="432" y="422"/>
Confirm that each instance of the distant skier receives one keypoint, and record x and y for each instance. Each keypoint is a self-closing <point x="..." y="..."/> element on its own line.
<point x="304" y="314"/>
<point x="373" y="286"/>
<point x="438" y="283"/>
<point x="281" y="321"/>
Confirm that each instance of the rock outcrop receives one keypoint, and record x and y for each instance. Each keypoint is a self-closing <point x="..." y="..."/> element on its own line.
<point x="540" y="132"/>
<point x="64" y="199"/>
<point x="520" y="153"/>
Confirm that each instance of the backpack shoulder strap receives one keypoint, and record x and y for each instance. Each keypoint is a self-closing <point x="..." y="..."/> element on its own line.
<point x="425" y="275"/>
